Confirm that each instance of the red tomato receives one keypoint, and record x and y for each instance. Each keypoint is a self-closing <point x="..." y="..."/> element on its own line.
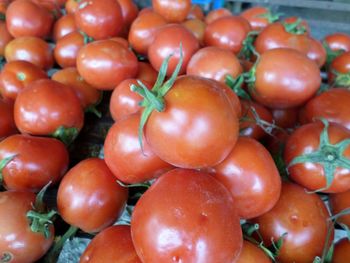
<point x="233" y="98"/>
<point x="226" y="63"/>
<point x="62" y="108"/>
<point x="186" y="216"/>
<point x="341" y="252"/>
<point x="251" y="176"/>
<point x="339" y="202"/>
<point x="89" y="197"/>
<point x="7" y="122"/>
<point x="306" y="140"/>
<point x="285" y="78"/>
<point x="71" y="6"/>
<point x="172" y="11"/>
<point x="195" y="12"/>
<point x="122" y="41"/>
<point x="17" y="241"/>
<point x="163" y="46"/>
<point x="338" y="41"/>
<point x="115" y="63"/>
<point x="339" y="70"/>
<point x="285" y="118"/>
<point x="304" y="219"/>
<point x="30" y="169"/>
<point x="113" y="244"/>
<point x="219" y="33"/>
<point x="258" y="17"/>
<point x="198" y="124"/>
<point x="122" y="151"/>
<point x="63" y="26"/>
<point x="216" y="14"/>
<point x="251" y="253"/>
<point x="99" y="19"/>
<point x="316" y="52"/>
<point x="26" y="18"/>
<point x="197" y="27"/>
<point x="31" y="49"/>
<point x="5" y="37"/>
<point x="146" y="73"/>
<point x="129" y="11"/>
<point x="16" y="75"/>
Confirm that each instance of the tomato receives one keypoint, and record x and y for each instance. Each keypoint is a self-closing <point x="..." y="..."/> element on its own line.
<point x="113" y="244"/>
<point x="258" y="17"/>
<point x="338" y="41"/>
<point x="7" y="122"/>
<point x="143" y="29"/>
<point x="216" y="14"/>
<point x="251" y="253"/>
<point x="339" y="70"/>
<point x="285" y="118"/>
<point x="89" y="197"/>
<point x="30" y="169"/>
<point x="63" y="26"/>
<point x="316" y="52"/>
<point x="233" y="98"/>
<point x="195" y="12"/>
<point x="26" y="18"/>
<point x="226" y="63"/>
<point x="172" y="11"/>
<point x="303" y="24"/>
<point x="198" y="124"/>
<point x="285" y="78"/>
<point x="251" y="124"/>
<point x="5" y="37"/>
<point x="219" y="33"/>
<point x="302" y="217"/>
<point x="163" y="46"/>
<point x="88" y="95"/>
<point x="129" y="11"/>
<point x="145" y="10"/>
<point x="31" y="49"/>
<point x="197" y="27"/>
<point x="306" y="140"/>
<point x="67" y="48"/>
<point x="331" y="105"/>
<point x="17" y="241"/>
<point x="115" y="63"/>
<point x="251" y="176"/>
<point x="186" y="216"/>
<point x="146" y="73"/>
<point x="71" y="6"/>
<point x="16" y="75"/>
<point x="99" y="19"/>
<point x="341" y="252"/>
<point x="339" y="202"/>
<point x="122" y="41"/>
<point x="61" y="108"/>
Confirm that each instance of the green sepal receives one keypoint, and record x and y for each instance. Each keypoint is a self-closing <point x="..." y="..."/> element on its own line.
<point x="236" y="86"/>
<point x="3" y="164"/>
<point x="248" y="45"/>
<point x="271" y="17"/>
<point x="295" y="28"/>
<point x="341" y="79"/>
<point x="146" y="185"/>
<point x="40" y="223"/>
<point x="66" y="135"/>
<point x="87" y="39"/>
<point x="331" y="54"/>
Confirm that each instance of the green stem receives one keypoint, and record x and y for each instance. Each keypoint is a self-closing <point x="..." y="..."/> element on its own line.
<point x="40" y="223"/>
<point x="93" y="110"/>
<point x="146" y="185"/>
<point x="66" y="135"/>
<point x="295" y="28"/>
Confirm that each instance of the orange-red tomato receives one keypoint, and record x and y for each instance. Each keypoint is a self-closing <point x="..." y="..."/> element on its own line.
<point x="5" y="37"/>
<point x="147" y="73"/>
<point x="172" y="11"/>
<point x="340" y="65"/>
<point x="129" y="11"/>
<point x="338" y="41"/>
<point x="63" y="26"/>
<point x="197" y="27"/>
<point x="341" y="252"/>
<point x="257" y="16"/>
<point x="251" y="253"/>
<point x="216" y="14"/>
<point x="195" y="12"/>
<point x="285" y="118"/>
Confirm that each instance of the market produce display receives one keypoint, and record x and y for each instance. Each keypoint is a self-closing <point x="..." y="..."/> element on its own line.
<point x="171" y="134"/>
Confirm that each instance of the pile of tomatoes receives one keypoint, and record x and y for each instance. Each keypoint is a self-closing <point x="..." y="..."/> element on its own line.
<point x="221" y="122"/>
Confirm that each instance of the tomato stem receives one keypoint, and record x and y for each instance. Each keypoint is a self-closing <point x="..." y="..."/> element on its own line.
<point x="271" y="17"/>
<point x="341" y="79"/>
<point x="40" y="223"/>
<point x="295" y="28"/>
<point x="93" y="110"/>
<point x="6" y="257"/>
<point x="236" y="86"/>
<point x="3" y="164"/>
<point x="248" y="45"/>
<point x="331" y="54"/>
<point x="66" y="135"/>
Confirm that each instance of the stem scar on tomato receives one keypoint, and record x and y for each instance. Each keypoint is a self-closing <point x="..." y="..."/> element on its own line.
<point x="330" y="156"/>
<point x="6" y="257"/>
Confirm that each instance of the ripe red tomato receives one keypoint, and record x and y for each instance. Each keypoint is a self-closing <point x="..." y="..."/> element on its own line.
<point x="316" y="52"/>
<point x="258" y="17"/>
<point x="341" y="252"/>
<point x="303" y="218"/>
<point x="113" y="244"/>
<point x="163" y="46"/>
<point x="172" y="11"/>
<point x="71" y="6"/>
<point x="17" y="241"/>
<point x="339" y="71"/>
<point x="30" y="169"/>
<point x="339" y="202"/>
<point x="216" y="14"/>
<point x="63" y="26"/>
<point x="306" y="140"/>
<point x="5" y="37"/>
<point x="338" y="41"/>
<point x="285" y="118"/>
<point x="251" y="253"/>
<point x="197" y="27"/>
<point x="16" y="75"/>
<point x="285" y="78"/>
<point x="104" y="64"/>
<point x="26" y="18"/>
<point x="99" y="19"/>
<point x="124" y="156"/>
<point x="89" y="197"/>
<point x="219" y="33"/>
<point x="31" y="49"/>
<point x="146" y="73"/>
<point x="251" y="176"/>
<point x="226" y="63"/>
<point x="195" y="12"/>
<point x="129" y="11"/>
<point x="198" y="124"/>
<point x="61" y="108"/>
<point x="186" y="216"/>
<point x="7" y="122"/>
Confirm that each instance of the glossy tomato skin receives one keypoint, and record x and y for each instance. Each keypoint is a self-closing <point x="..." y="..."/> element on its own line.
<point x="16" y="75"/>
<point x="147" y="73"/>
<point x="340" y="64"/>
<point x="115" y="61"/>
<point x="129" y="12"/>
<point x="122" y="151"/>
<point x="172" y="11"/>
<point x="63" y="26"/>
<point x="7" y="122"/>
<point x="186" y="216"/>
<point x="163" y="46"/>
<point x="89" y="197"/>
<point x="285" y="78"/>
<point x="15" y="229"/>
<point x="99" y="19"/>
<point x="197" y="27"/>
<point x="71" y="6"/>
<point x="285" y="118"/>
<point x="251" y="176"/>
<point x="45" y="105"/>
<point x="254" y="16"/>
<point x="220" y="34"/>
<point x="341" y="252"/>
<point x="251" y="253"/>
<point x="331" y="105"/>
<point x="317" y="52"/>
<point x="339" y="202"/>
<point x="30" y="169"/>
<point x="31" y="49"/>
<point x="226" y="63"/>
<point x="306" y="139"/>
<point x="113" y="244"/>
<point x="26" y="18"/>
<point x="216" y="14"/>
<point x="198" y="119"/>
<point x="5" y="37"/>
<point x="196" y="12"/>
<point x="303" y="216"/>
<point x="338" y="41"/>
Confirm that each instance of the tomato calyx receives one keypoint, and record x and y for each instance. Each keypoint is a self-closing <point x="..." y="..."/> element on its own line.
<point x="341" y="79"/>
<point x="331" y="54"/>
<point x="145" y="184"/>
<point x="6" y="257"/>
<point x="295" y="28"/>
<point x="3" y="164"/>
<point x="154" y="99"/>
<point x="248" y="45"/>
<point x="236" y="85"/>
<point x="87" y="39"/>
<point x="66" y="135"/>
<point x="271" y="17"/>
<point x="330" y="156"/>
